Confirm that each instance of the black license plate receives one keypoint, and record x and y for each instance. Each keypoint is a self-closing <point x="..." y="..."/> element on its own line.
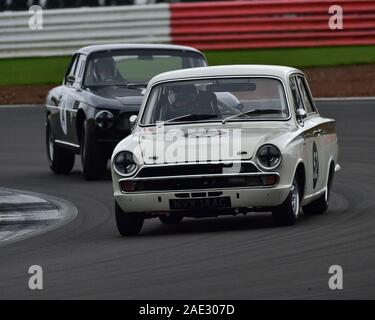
<point x="200" y="203"/>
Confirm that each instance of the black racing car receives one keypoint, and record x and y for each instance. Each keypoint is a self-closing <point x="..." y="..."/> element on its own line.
<point x="103" y="87"/>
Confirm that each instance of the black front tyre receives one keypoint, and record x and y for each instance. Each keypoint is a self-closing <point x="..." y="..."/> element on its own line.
<point x="171" y="219"/>
<point x="61" y="161"/>
<point x="128" y="224"/>
<point x="288" y="212"/>
<point x="93" y="158"/>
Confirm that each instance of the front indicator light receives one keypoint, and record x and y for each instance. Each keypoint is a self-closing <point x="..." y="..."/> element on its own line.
<point x="269" y="180"/>
<point x="127" y="186"/>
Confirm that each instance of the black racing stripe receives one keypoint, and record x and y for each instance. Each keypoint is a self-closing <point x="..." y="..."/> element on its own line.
<point x="21" y="207"/>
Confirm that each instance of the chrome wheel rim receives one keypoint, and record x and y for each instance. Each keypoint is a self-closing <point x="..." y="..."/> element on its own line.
<point x="295" y="198"/>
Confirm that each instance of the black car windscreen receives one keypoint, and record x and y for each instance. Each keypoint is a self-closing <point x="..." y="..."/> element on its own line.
<point x="121" y="67"/>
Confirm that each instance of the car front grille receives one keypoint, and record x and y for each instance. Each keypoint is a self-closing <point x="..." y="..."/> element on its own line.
<point x="195" y="183"/>
<point x="196" y="169"/>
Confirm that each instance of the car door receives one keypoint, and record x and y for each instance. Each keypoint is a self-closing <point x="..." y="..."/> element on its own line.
<point x="319" y="154"/>
<point x="73" y="99"/>
<point x="60" y="100"/>
<point x="307" y="126"/>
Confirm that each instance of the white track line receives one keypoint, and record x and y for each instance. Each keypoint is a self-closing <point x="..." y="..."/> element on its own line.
<point x="25" y="214"/>
<point x="20" y="198"/>
<point x="16" y="207"/>
<point x="29" y="216"/>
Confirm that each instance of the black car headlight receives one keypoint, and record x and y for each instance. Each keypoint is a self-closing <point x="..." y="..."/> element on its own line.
<point x="269" y="157"/>
<point x="125" y="163"/>
<point x="104" y="119"/>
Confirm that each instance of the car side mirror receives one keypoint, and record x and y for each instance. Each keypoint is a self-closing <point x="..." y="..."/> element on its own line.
<point x="301" y="114"/>
<point x="70" y="79"/>
<point x="133" y="120"/>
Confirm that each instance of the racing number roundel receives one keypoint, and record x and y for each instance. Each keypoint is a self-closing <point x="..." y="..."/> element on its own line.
<point x="315" y="165"/>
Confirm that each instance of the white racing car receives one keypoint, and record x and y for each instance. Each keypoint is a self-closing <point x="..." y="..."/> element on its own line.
<point x="224" y="140"/>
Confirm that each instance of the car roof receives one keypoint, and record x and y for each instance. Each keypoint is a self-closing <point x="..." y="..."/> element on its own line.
<point x="104" y="47"/>
<point x="228" y="70"/>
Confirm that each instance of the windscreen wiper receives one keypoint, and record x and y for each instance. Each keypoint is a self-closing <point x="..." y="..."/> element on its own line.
<point x="252" y="112"/>
<point x="192" y="117"/>
<point x="131" y="85"/>
<point x="136" y="85"/>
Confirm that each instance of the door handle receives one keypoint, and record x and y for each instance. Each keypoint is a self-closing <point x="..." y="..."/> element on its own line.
<point x="318" y="132"/>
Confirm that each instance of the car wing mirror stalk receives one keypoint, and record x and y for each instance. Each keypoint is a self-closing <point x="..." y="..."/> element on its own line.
<point x="301" y="115"/>
<point x="70" y="79"/>
<point x="133" y="120"/>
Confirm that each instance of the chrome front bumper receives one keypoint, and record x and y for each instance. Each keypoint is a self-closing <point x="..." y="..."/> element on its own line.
<point x="240" y="198"/>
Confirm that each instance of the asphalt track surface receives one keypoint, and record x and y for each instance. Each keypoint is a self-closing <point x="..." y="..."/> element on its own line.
<point x="219" y="258"/>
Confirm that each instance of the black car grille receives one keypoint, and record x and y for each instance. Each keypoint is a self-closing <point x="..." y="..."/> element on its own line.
<point x="196" y="183"/>
<point x="196" y="169"/>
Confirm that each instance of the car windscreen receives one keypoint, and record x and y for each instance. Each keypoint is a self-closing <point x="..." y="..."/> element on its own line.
<point x="121" y="67"/>
<point x="216" y="99"/>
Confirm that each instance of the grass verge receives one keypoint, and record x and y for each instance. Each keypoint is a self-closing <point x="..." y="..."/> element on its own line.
<point x="296" y="57"/>
<point x="37" y="71"/>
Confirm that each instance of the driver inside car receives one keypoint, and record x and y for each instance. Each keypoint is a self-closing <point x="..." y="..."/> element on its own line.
<point x="105" y="72"/>
<point x="181" y="101"/>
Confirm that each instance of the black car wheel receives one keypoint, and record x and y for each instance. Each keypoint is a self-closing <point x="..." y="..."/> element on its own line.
<point x="128" y="224"/>
<point x="60" y="161"/>
<point x="288" y="212"/>
<point x="93" y="158"/>
<point x="171" y="219"/>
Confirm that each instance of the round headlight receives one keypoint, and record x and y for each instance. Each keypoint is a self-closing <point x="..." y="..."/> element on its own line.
<point x="125" y="163"/>
<point x="104" y="119"/>
<point x="269" y="157"/>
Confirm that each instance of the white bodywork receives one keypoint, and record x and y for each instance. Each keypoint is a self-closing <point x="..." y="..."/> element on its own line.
<point x="294" y="137"/>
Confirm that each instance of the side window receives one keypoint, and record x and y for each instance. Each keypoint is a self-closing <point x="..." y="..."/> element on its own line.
<point x="72" y="68"/>
<point x="296" y="94"/>
<point x="79" y="69"/>
<point x="307" y="100"/>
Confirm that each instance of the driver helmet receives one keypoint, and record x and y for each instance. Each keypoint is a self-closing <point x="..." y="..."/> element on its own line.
<point x="104" y="69"/>
<point x="182" y="96"/>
